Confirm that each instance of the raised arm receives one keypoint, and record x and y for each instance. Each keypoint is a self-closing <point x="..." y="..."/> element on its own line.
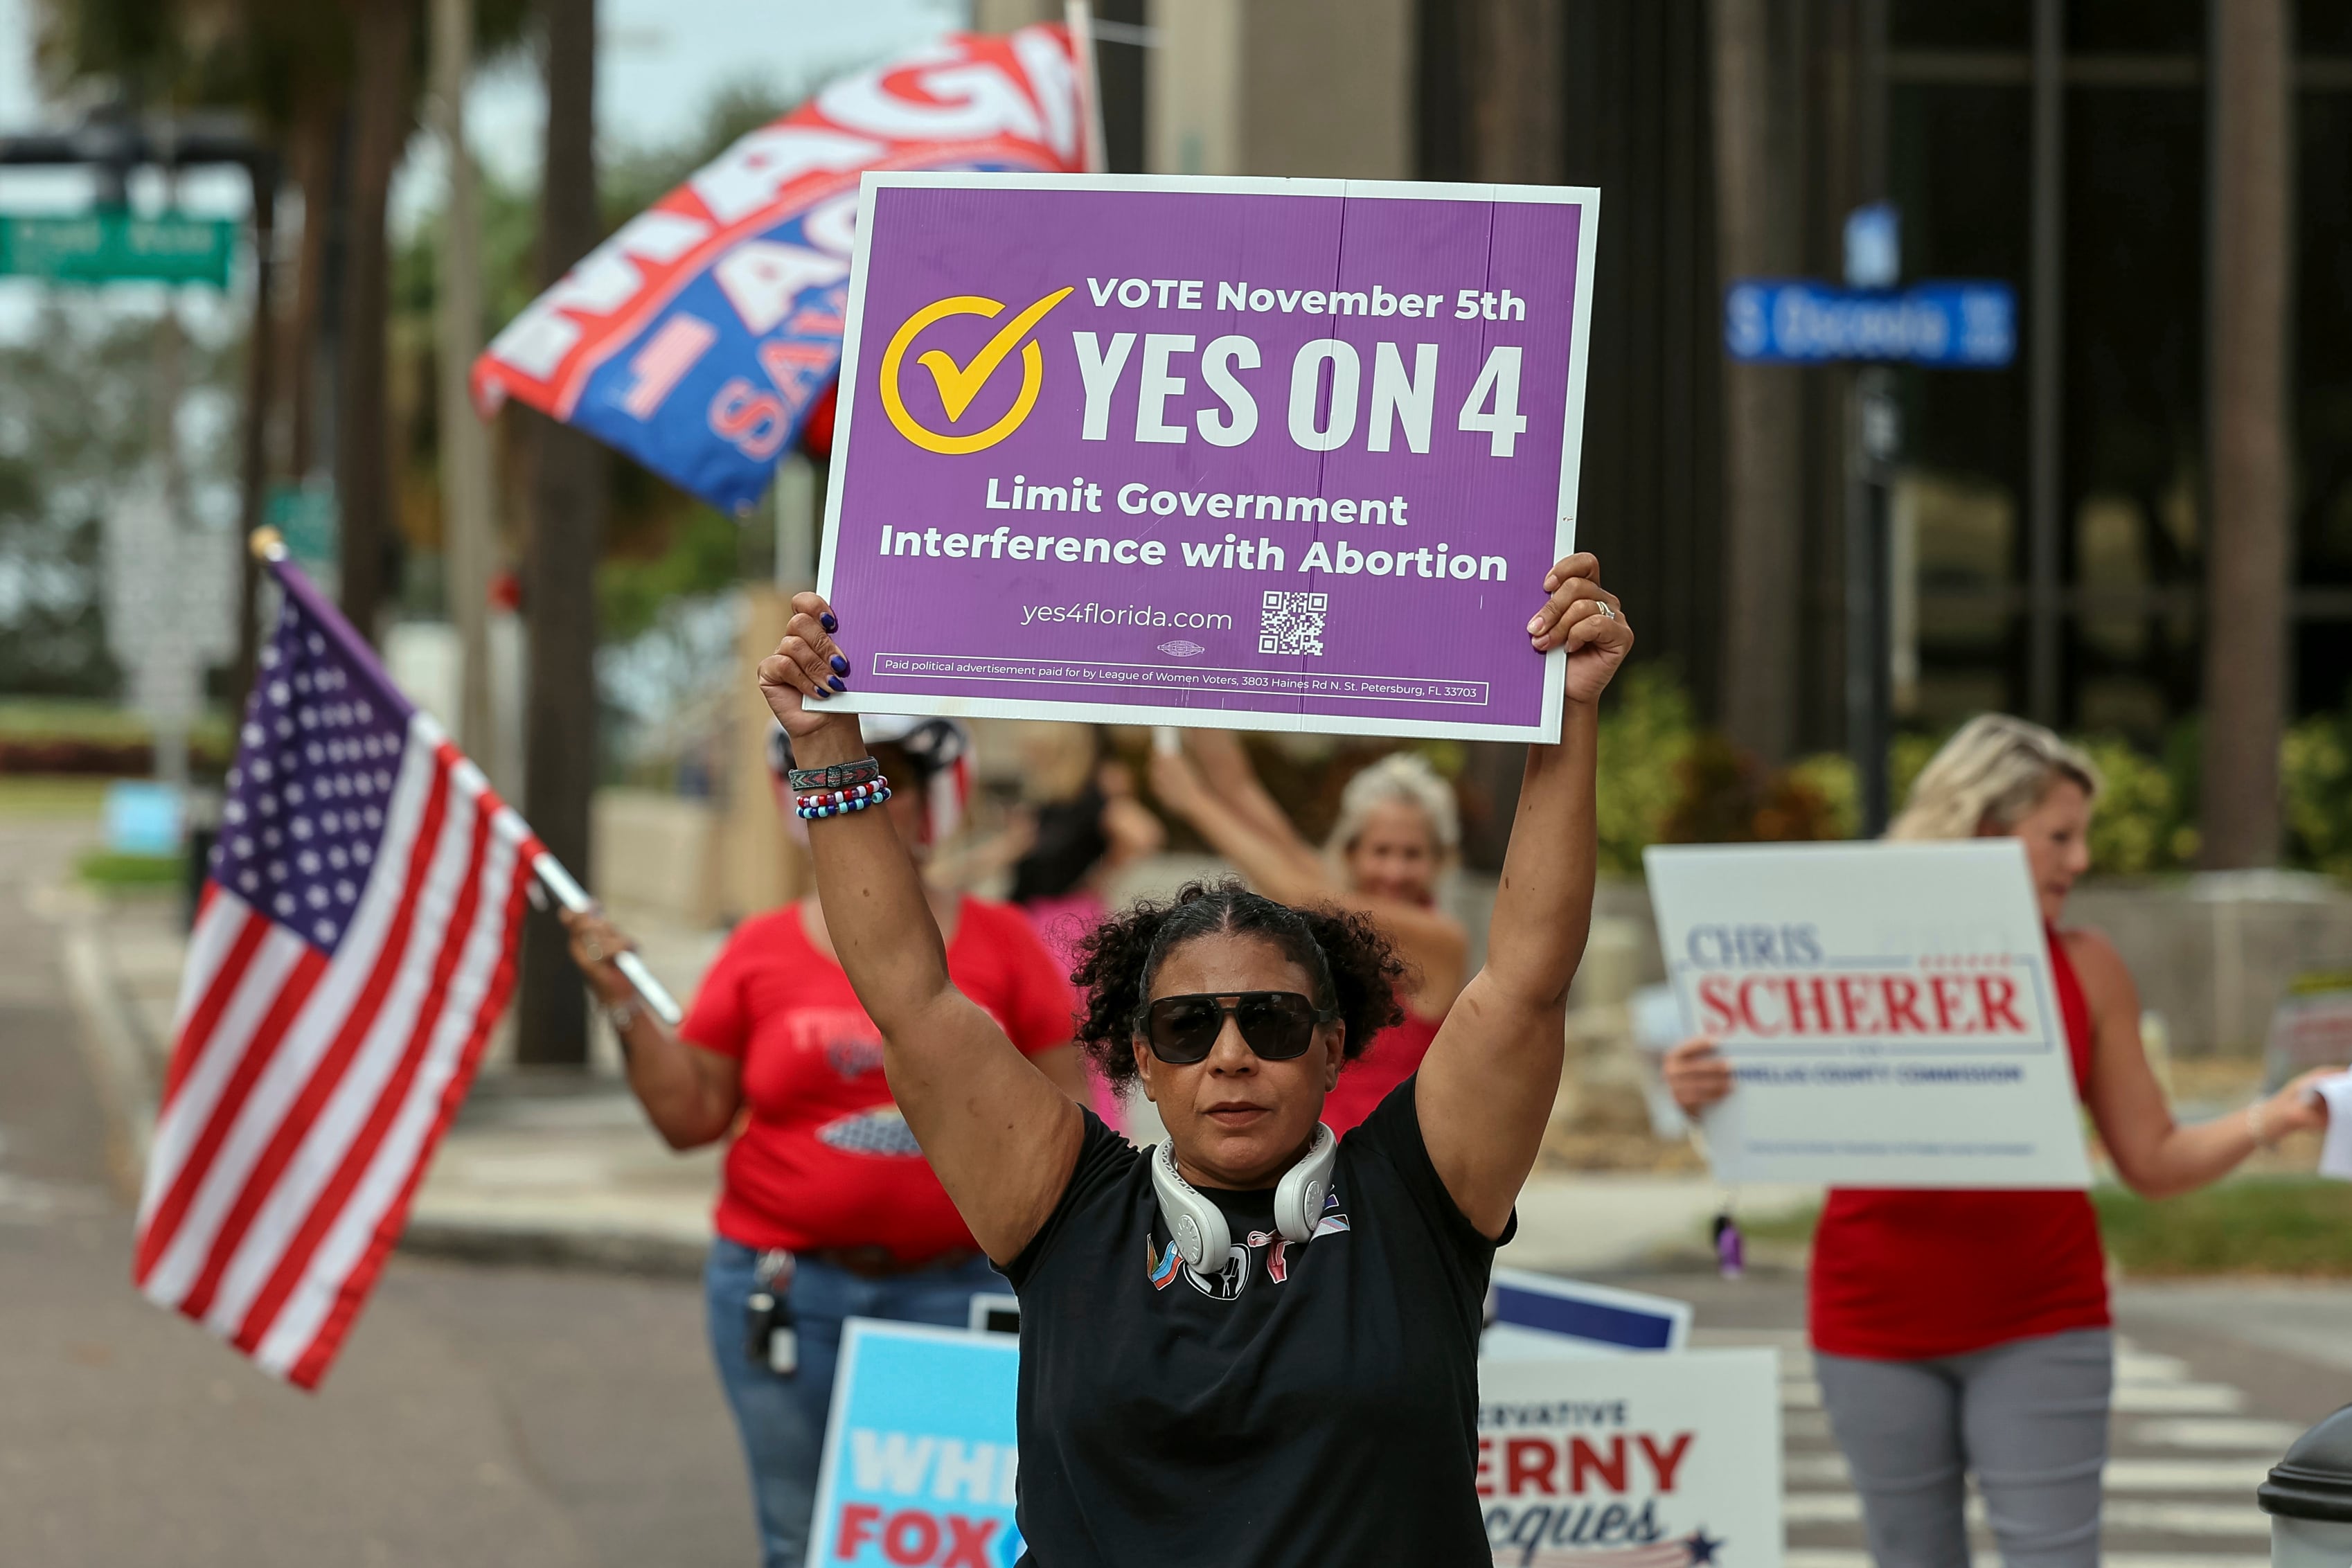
<point x="1225" y="762"/>
<point x="1279" y="864"/>
<point x="1002" y="1137"/>
<point x="1488" y="1084"/>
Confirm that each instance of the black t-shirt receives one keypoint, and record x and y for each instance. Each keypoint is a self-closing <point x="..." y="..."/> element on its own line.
<point x="1318" y="1405"/>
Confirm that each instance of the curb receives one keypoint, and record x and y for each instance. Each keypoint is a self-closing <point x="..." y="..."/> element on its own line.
<point x="115" y="1054"/>
<point x="503" y="1244"/>
<point x="113" y="1050"/>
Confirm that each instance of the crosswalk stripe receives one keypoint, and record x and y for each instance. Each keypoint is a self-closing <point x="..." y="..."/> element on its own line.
<point x="1835" y="1557"/>
<point x="2130" y="1398"/>
<point x="2218" y="1433"/>
<point x="2129" y="1474"/>
<point x="2156" y="1518"/>
<point x="2179" y="1399"/>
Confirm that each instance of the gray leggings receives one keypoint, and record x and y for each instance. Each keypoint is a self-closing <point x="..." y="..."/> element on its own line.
<point x="2028" y="1418"/>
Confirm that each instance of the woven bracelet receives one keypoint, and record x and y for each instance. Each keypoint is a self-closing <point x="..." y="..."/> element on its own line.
<point x="840" y="775"/>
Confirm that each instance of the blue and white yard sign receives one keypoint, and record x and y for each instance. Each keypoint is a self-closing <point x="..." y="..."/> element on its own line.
<point x="1540" y="1315"/>
<point x="920" y="1460"/>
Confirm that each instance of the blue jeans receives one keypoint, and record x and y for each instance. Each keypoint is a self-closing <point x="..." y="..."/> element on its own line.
<point x="781" y="1419"/>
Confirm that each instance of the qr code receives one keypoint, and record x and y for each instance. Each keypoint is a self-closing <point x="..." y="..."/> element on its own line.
<point x="1291" y="623"/>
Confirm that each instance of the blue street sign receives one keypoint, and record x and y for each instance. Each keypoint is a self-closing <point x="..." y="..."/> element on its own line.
<point x="1961" y="325"/>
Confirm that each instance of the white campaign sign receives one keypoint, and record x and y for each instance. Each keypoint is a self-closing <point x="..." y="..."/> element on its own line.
<point x="1888" y="1009"/>
<point x="1631" y="1461"/>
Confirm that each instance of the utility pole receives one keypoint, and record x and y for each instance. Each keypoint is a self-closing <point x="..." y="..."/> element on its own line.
<point x="2246" y="596"/>
<point x="567" y="530"/>
<point x="469" y="537"/>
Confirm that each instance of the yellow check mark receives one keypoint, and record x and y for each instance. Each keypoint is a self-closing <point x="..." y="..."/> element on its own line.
<point x="959" y="384"/>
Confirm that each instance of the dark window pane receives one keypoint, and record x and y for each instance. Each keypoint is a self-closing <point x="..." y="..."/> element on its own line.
<point x="2135" y="26"/>
<point x="1958" y="162"/>
<point x="2323" y="26"/>
<point x="1959" y="24"/>
<point x="2134" y="362"/>
<point x="2321" y="341"/>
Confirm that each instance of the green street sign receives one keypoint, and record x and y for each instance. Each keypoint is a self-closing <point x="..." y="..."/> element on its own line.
<point x="306" y="517"/>
<point x="114" y="245"/>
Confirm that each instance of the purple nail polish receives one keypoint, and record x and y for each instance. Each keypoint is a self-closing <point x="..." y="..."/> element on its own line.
<point x="840" y="665"/>
<point x="835" y="681"/>
<point x="828" y="622"/>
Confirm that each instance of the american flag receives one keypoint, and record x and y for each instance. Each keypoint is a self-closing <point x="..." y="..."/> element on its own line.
<point x="355" y="943"/>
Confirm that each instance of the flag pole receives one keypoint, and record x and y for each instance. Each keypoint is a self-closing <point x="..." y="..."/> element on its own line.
<point x="1079" y="17"/>
<point x="269" y="547"/>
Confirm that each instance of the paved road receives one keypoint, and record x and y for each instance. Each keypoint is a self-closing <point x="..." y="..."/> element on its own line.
<point x="513" y="1417"/>
<point x="522" y="1417"/>
<point x="2213" y="1382"/>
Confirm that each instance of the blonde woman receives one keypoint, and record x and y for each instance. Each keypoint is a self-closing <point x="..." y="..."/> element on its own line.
<point x="1959" y="1333"/>
<point x="1395" y="840"/>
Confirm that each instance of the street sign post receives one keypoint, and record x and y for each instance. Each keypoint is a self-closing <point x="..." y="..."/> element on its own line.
<point x="1939" y="324"/>
<point x="115" y="245"/>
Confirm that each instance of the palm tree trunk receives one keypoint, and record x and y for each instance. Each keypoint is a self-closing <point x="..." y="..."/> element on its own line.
<point x="1762" y="404"/>
<point x="560" y="567"/>
<point x="383" y="33"/>
<point x="467" y="523"/>
<point x="311" y="156"/>
<point x="2247" y="607"/>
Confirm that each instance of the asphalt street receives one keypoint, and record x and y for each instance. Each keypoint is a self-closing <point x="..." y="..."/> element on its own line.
<point x="523" y="1417"/>
<point x="510" y="1417"/>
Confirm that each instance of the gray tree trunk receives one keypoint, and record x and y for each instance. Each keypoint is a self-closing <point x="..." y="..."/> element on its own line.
<point x="1514" y="57"/>
<point x="567" y="527"/>
<point x="2246" y="614"/>
<point x="1762" y="405"/>
<point x="468" y="537"/>
<point x="383" y="32"/>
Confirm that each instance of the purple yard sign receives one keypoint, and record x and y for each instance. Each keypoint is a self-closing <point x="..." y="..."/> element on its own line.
<point x="1267" y="454"/>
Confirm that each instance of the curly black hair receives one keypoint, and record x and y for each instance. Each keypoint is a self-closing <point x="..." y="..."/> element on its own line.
<point x="1353" y="967"/>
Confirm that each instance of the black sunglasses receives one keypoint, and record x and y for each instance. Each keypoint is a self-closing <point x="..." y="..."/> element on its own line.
<point x="1277" y="1025"/>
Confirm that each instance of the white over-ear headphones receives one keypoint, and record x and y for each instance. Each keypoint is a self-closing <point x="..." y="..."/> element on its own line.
<point x="1198" y="1226"/>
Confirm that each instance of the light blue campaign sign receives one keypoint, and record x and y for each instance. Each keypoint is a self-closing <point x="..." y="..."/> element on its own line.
<point x="142" y="818"/>
<point x="919" y="1456"/>
<point x="1960" y="326"/>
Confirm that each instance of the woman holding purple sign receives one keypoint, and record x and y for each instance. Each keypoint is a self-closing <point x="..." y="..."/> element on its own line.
<point x="1967" y="1332"/>
<point x="1257" y="1344"/>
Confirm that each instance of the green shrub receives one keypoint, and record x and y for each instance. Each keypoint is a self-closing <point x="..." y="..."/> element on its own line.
<point x="2137" y="828"/>
<point x="2315" y="762"/>
<point x="1646" y="731"/>
<point x="1665" y="778"/>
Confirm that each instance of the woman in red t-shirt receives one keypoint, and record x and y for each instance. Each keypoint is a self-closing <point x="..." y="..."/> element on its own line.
<point x="826" y="1208"/>
<point x="1968" y="1331"/>
<point x="1397" y="833"/>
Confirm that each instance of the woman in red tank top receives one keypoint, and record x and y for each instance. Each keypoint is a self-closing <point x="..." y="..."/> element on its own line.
<point x="1968" y="1331"/>
<point x="1397" y="833"/>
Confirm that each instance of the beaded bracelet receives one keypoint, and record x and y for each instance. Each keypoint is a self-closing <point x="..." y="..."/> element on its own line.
<point x="844" y="796"/>
<point x="840" y="775"/>
<point x="843" y="808"/>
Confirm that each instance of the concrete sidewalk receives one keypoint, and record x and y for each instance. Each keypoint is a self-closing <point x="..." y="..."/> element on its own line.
<point x="562" y="1166"/>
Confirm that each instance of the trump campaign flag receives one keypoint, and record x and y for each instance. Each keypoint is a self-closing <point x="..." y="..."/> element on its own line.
<point x="701" y="335"/>
<point x="354" y="942"/>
